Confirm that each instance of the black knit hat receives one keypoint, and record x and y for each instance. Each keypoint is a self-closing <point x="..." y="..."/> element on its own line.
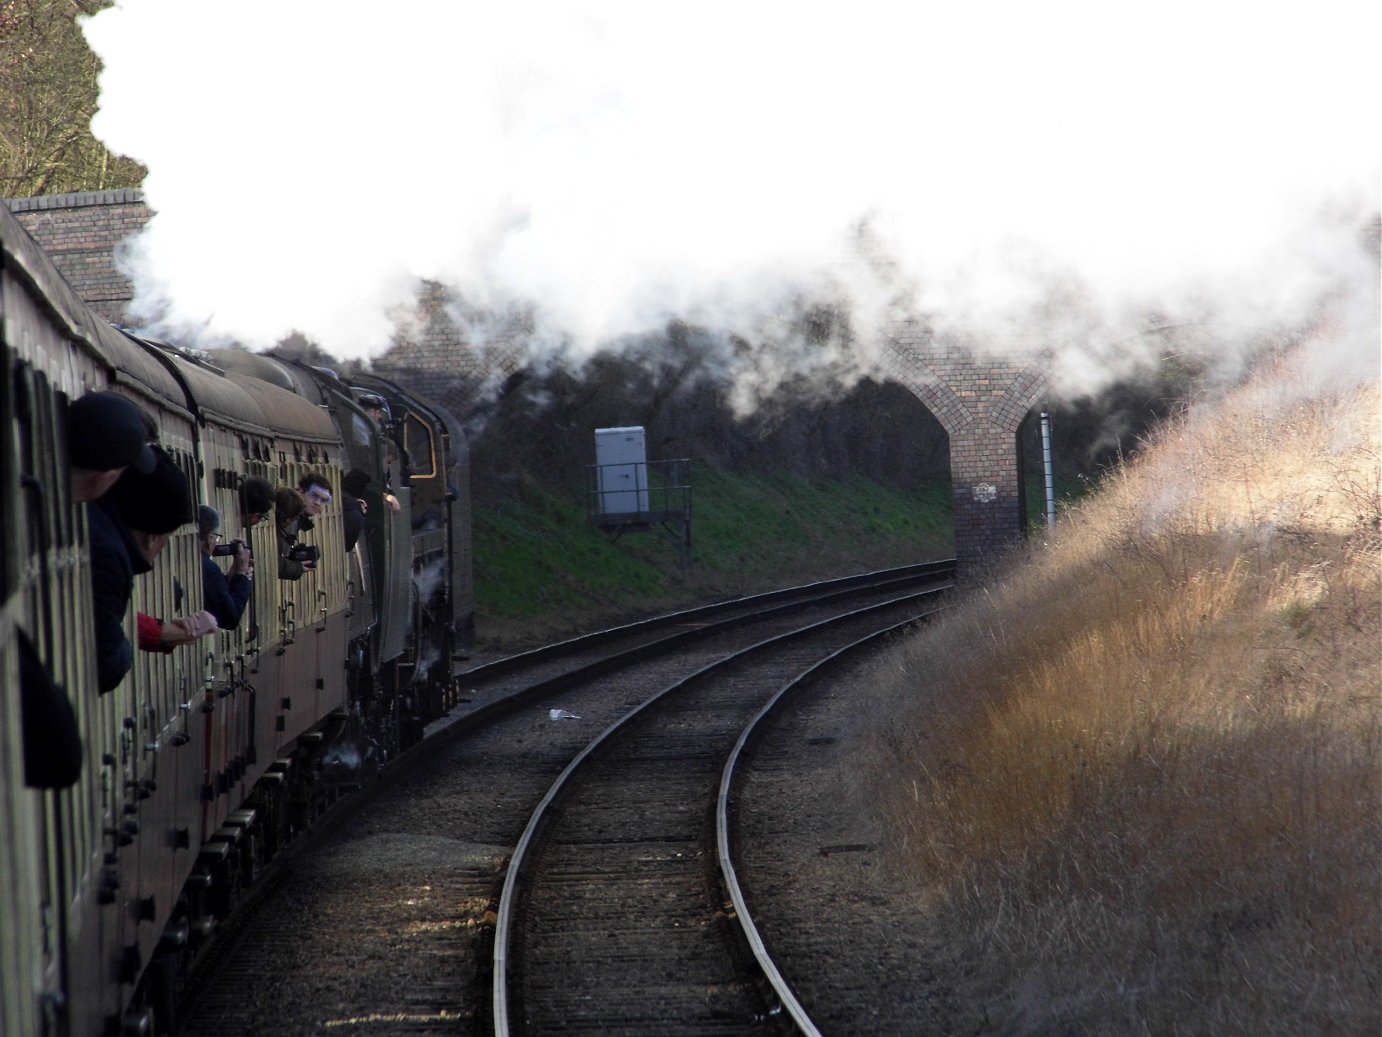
<point x="159" y="502"/>
<point x="355" y="481"/>
<point x="105" y="431"/>
<point x="256" y="496"/>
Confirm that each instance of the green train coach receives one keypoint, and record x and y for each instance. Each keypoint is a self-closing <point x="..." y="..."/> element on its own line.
<point x="204" y="761"/>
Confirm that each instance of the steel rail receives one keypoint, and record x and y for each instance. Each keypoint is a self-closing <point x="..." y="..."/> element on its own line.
<point x="782" y="987"/>
<point x="509" y="895"/>
<point x="777" y="602"/>
<point x="944" y="568"/>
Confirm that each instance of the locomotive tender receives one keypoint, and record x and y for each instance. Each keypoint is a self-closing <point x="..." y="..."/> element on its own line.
<point x="205" y="761"/>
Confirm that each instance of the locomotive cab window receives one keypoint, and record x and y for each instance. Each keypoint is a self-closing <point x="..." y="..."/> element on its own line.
<point x="417" y="440"/>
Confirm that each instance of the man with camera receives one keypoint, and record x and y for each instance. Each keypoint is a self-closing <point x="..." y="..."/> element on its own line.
<point x="224" y="594"/>
<point x="294" y="559"/>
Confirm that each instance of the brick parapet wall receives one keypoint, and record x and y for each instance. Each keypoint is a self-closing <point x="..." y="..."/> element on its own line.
<point x="81" y="233"/>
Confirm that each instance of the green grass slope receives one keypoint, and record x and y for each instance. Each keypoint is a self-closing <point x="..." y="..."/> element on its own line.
<point x="544" y="570"/>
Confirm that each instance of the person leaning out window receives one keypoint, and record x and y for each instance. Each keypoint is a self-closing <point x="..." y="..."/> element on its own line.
<point x="225" y="594"/>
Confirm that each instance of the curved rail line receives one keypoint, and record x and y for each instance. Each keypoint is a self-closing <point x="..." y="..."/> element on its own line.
<point x="782" y="987"/>
<point x="520" y="861"/>
<point x="689" y="625"/>
<point x="551" y="669"/>
<point x="503" y="692"/>
<point x="859" y="582"/>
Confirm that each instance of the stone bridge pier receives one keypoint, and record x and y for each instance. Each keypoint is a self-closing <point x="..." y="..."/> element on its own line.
<point x="981" y="396"/>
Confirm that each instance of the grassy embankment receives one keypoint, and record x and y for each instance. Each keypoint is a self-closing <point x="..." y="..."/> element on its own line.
<point x="542" y="570"/>
<point x="1135" y="782"/>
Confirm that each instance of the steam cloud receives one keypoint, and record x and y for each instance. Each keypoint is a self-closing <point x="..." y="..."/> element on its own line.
<point x="1070" y="166"/>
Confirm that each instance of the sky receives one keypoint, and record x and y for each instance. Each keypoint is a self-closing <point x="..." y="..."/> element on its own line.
<point x="1016" y="172"/>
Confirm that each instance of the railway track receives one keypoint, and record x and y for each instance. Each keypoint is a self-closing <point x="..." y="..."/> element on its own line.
<point x="497" y="685"/>
<point x="385" y="922"/>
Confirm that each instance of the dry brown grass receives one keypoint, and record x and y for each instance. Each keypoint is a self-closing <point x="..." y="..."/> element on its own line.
<point x="1138" y="782"/>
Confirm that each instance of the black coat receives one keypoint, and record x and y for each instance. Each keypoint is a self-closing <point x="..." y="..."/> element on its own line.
<point x="352" y="519"/>
<point x="52" y="740"/>
<point x="288" y="568"/>
<point x="115" y="561"/>
<point x="224" y="596"/>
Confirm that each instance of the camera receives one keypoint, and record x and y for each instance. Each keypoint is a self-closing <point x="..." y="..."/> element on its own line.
<point x="304" y="553"/>
<point x="226" y="550"/>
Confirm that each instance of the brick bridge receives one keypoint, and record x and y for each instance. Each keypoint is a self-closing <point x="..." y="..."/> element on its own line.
<point x="979" y="396"/>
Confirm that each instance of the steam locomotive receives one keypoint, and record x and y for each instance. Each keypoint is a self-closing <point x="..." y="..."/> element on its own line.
<point x="204" y="762"/>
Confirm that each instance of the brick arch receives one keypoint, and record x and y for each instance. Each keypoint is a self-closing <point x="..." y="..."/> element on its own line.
<point x="980" y="397"/>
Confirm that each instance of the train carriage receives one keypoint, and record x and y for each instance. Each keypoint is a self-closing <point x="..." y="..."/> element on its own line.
<point x="64" y="847"/>
<point x="206" y="759"/>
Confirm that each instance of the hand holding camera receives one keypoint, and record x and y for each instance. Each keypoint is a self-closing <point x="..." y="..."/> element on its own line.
<point x="240" y="553"/>
<point x="306" y="554"/>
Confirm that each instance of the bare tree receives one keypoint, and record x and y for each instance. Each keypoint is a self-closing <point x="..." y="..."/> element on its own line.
<point x="48" y="94"/>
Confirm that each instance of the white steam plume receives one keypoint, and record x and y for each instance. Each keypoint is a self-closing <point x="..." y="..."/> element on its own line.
<point x="620" y="163"/>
